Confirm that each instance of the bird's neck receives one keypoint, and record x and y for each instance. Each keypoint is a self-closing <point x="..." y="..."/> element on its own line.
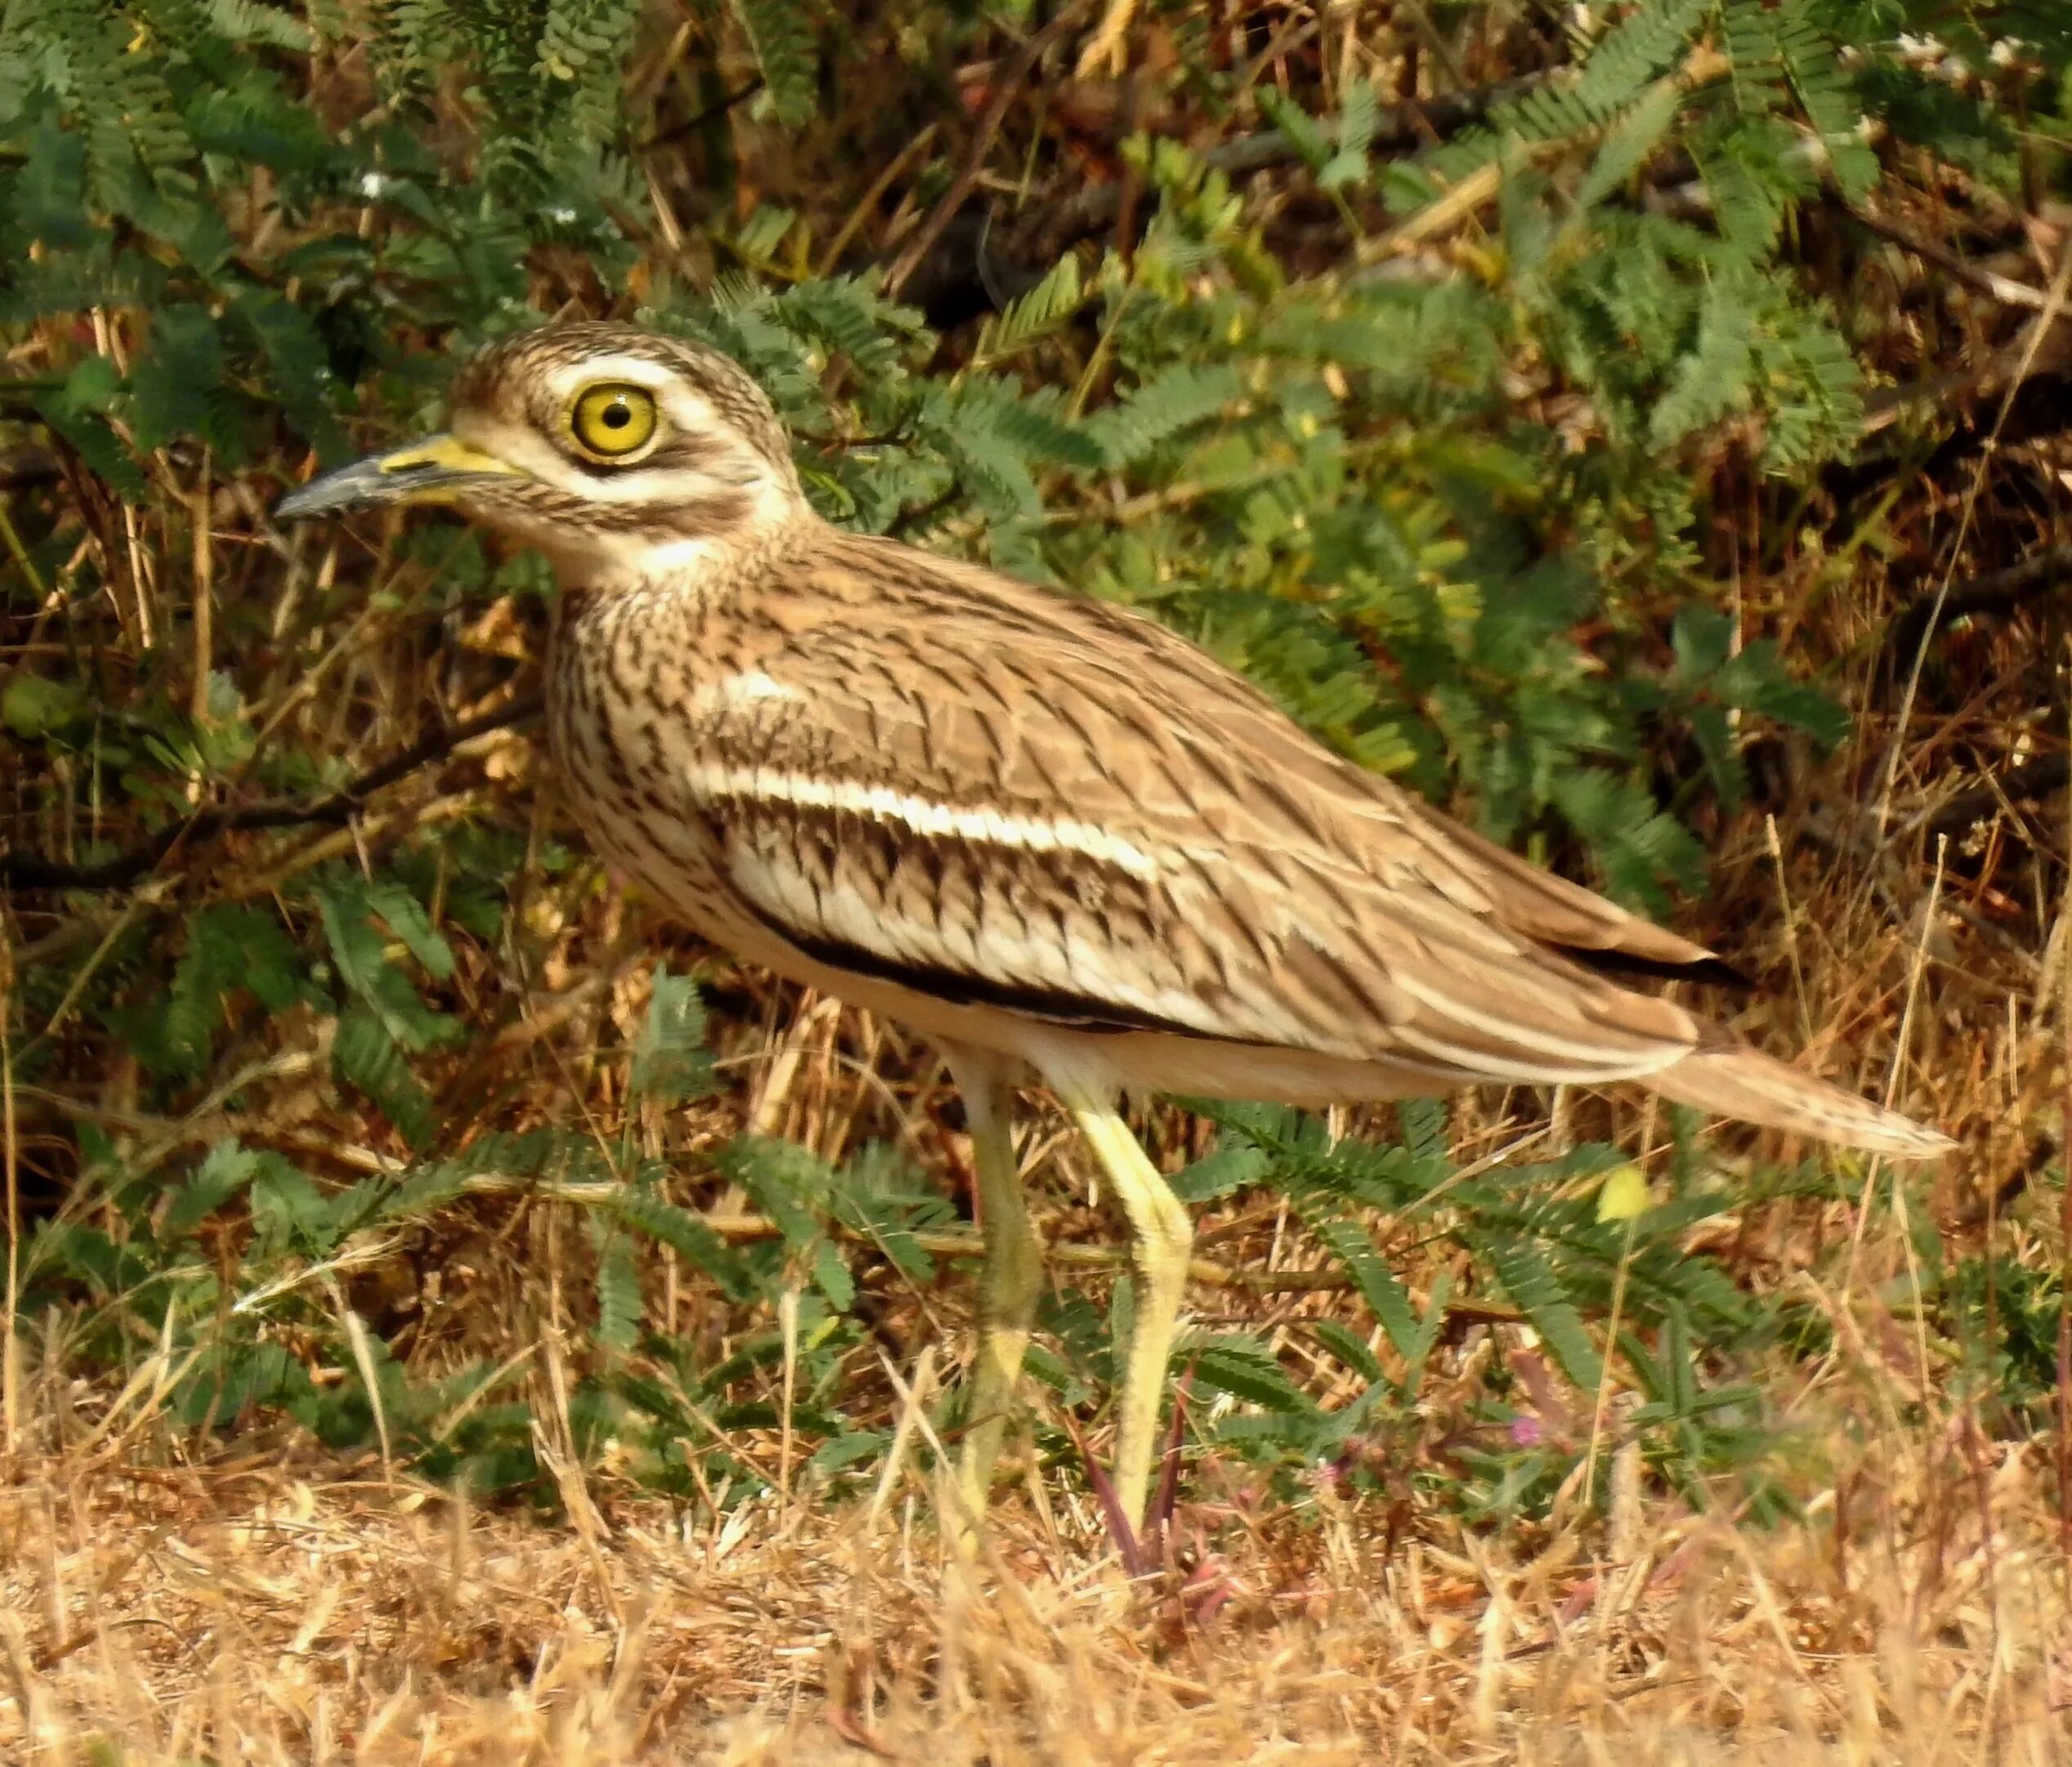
<point x="687" y="564"/>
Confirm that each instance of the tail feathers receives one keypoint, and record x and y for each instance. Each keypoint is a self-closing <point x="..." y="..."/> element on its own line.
<point x="1744" y="1083"/>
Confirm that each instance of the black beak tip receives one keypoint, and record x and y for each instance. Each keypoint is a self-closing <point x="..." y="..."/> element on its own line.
<point x="365" y="481"/>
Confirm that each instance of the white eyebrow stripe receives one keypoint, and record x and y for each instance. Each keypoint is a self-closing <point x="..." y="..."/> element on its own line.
<point x="568" y="379"/>
<point x="981" y="825"/>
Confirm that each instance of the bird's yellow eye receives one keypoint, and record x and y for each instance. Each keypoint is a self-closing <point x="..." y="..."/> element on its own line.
<point x="612" y="419"/>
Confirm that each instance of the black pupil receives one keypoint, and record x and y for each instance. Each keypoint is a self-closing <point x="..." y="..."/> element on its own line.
<point x="618" y="414"/>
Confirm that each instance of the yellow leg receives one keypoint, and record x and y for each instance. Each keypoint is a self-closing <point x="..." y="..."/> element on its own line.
<point x="1009" y="1282"/>
<point x="1163" y="1242"/>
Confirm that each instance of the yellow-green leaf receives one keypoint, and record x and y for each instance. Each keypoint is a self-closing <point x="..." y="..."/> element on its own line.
<point x="1624" y="1195"/>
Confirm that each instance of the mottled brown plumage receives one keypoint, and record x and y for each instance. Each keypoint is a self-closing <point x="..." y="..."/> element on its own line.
<point x="1045" y="830"/>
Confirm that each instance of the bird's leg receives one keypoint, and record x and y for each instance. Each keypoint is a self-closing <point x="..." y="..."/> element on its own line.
<point x="1163" y="1241"/>
<point x="1009" y="1281"/>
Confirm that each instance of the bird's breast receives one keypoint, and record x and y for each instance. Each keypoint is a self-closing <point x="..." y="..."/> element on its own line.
<point x="620" y="684"/>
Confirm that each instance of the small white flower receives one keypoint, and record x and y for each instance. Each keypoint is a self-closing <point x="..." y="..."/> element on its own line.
<point x="371" y="184"/>
<point x="1920" y="48"/>
<point x="561" y="216"/>
<point x="2006" y="52"/>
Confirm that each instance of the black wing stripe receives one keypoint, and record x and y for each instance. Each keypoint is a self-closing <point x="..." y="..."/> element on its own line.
<point x="1053" y="1006"/>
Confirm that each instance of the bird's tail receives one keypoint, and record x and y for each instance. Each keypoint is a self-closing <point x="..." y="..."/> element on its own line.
<point x="1734" y="1080"/>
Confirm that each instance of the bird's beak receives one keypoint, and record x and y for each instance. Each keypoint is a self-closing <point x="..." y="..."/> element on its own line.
<point x="436" y="470"/>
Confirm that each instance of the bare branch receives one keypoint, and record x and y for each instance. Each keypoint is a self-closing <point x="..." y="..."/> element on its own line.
<point x="22" y="871"/>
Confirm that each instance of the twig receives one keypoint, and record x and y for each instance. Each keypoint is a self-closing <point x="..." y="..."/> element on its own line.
<point x="692" y="124"/>
<point x="1996" y="592"/>
<point x="830" y="260"/>
<point x="981" y="142"/>
<point x="20" y="872"/>
<point x="2024" y="784"/>
<point x="2004" y="289"/>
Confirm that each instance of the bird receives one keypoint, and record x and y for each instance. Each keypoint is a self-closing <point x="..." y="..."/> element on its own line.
<point x="1046" y="831"/>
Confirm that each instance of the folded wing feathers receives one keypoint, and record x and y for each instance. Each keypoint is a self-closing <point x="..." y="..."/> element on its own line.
<point x="1098" y="808"/>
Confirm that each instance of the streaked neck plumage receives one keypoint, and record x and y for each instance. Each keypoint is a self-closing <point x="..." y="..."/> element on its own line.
<point x="688" y="547"/>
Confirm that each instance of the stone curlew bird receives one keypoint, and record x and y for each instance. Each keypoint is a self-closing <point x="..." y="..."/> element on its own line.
<point x="1049" y="833"/>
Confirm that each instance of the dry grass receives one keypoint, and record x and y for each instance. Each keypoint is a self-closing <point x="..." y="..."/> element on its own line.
<point x="279" y="1606"/>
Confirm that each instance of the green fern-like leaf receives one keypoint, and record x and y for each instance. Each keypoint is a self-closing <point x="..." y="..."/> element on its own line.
<point x="1537" y="1292"/>
<point x="231" y="947"/>
<point x="1822" y="413"/>
<point x="1311" y="141"/>
<point x="1714" y="378"/>
<point x="671" y="1063"/>
<point x="1749" y="36"/>
<point x="1220" y="1174"/>
<point x="1633" y="51"/>
<point x="1377" y="1283"/>
<point x="1629" y="144"/>
<point x="225" y="1173"/>
<point x="1246" y="1369"/>
<point x="1359" y="115"/>
<point x="1349" y="1347"/>
<point x="1031" y="318"/>
<point x="366" y="1054"/>
<point x="620" y="1308"/>
<point x="666" y="1224"/>
<point x="993" y="468"/>
<point x="250" y="21"/>
<point x="786" y="1181"/>
<point x="1033" y="424"/>
<point x="784" y="55"/>
<point x="1641" y="45"/>
<point x="877" y="1197"/>
<point x="346" y="905"/>
<point x="289" y="1213"/>
<point x="406" y="918"/>
<point x="1175" y="400"/>
<point x="846" y="313"/>
<point x="78" y="412"/>
<point x="582" y="47"/>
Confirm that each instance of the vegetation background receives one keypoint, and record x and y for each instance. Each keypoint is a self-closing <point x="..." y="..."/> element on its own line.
<point x="452" y="1315"/>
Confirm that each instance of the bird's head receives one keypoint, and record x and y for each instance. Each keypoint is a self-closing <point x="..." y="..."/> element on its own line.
<point x="618" y="452"/>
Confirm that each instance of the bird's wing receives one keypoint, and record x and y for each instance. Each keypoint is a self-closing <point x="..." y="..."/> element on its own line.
<point x="932" y="774"/>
